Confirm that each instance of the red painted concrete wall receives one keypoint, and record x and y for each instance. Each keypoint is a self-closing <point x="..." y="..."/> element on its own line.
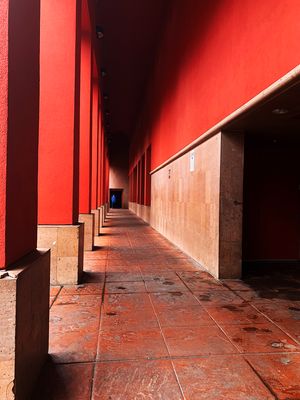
<point x="213" y="57"/>
<point x="19" y="109"/>
<point x="85" y="169"/>
<point x="59" y="112"/>
<point x="272" y="199"/>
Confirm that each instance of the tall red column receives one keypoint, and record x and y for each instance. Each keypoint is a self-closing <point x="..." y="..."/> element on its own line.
<point x="100" y="172"/>
<point x="59" y="139"/>
<point x="85" y="170"/>
<point x="24" y="271"/>
<point x="95" y="146"/>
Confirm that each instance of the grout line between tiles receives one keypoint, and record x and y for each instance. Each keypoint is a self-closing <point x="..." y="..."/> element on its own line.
<point x="55" y="297"/>
<point x="167" y="347"/>
<point x="264" y="315"/>
<point x="174" y="358"/>
<point x="219" y="326"/>
<point x="98" y="336"/>
<point x="261" y="379"/>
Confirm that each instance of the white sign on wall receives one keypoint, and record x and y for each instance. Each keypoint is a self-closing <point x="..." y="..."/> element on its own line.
<point x="192" y="160"/>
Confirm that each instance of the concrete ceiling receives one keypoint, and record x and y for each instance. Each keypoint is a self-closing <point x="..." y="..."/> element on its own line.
<point x="265" y="121"/>
<point x="132" y="29"/>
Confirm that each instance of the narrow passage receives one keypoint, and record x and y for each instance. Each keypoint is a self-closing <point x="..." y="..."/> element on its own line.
<point x="150" y="323"/>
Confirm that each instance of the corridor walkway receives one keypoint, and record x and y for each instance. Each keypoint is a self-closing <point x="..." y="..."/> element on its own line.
<point x="150" y="324"/>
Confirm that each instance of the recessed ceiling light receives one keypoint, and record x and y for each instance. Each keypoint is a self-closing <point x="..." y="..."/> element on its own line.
<point x="99" y="32"/>
<point x="280" y="111"/>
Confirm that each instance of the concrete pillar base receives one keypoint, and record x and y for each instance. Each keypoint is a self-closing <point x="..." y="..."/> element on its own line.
<point x="97" y="222"/>
<point x="24" y="316"/>
<point x="101" y="210"/>
<point x="66" y="243"/>
<point x="89" y="221"/>
<point x="106" y="209"/>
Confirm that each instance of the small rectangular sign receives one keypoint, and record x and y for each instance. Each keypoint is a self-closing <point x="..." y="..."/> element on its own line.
<point x="192" y="161"/>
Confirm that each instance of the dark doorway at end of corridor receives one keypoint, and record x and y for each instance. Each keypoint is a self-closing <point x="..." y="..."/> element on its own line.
<point x="115" y="196"/>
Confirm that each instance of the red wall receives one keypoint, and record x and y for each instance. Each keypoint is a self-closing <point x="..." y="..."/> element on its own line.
<point x="95" y="135"/>
<point x="19" y="110"/>
<point x="59" y="112"/>
<point x="85" y="111"/>
<point x="272" y="199"/>
<point x="213" y="58"/>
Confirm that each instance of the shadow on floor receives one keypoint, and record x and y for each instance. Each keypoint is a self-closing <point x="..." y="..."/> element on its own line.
<point x="273" y="280"/>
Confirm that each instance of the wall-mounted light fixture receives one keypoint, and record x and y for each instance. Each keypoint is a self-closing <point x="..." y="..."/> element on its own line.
<point x="280" y="111"/>
<point x="99" y="32"/>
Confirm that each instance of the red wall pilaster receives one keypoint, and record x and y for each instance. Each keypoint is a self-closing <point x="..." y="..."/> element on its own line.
<point x="106" y="179"/>
<point x="19" y="109"/>
<point x="85" y="111"/>
<point x="102" y="161"/>
<point x="95" y="135"/>
<point x="59" y="112"/>
<point x="100" y="151"/>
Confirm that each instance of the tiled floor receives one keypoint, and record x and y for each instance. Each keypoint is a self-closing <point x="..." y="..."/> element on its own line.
<point x="148" y="323"/>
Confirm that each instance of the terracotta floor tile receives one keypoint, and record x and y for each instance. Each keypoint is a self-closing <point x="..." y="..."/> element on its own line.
<point x="190" y="316"/>
<point x="181" y="268"/>
<point x="261" y="338"/>
<point x="271" y="296"/>
<point x="91" y="288"/>
<point x="281" y="372"/>
<point x="153" y="380"/>
<point x="93" y="277"/>
<point x="212" y="298"/>
<point x="126" y="302"/>
<point x="181" y="261"/>
<point x="125" y="287"/>
<point x="78" y="300"/>
<point x="197" y="341"/>
<point x="155" y="268"/>
<point x="291" y="328"/>
<point x="51" y="300"/>
<point x="237" y="284"/>
<point x="141" y="318"/>
<point x="220" y="378"/>
<point x="74" y="324"/>
<point x="200" y="284"/>
<point x="186" y="275"/>
<point x="158" y="276"/>
<point x="65" y="382"/>
<point x="54" y="290"/>
<point x="124" y="268"/>
<point x="279" y="312"/>
<point x="95" y="265"/>
<point x="197" y="319"/>
<point x="174" y="300"/>
<point x="123" y="277"/>
<point x="131" y="344"/>
<point x="165" y="285"/>
<point x="95" y="255"/>
<point x="236" y="314"/>
<point x="71" y="344"/>
<point x="120" y="262"/>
